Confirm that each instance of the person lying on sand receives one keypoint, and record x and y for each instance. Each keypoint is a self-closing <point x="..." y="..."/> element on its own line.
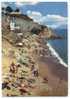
<point x="14" y="68"/>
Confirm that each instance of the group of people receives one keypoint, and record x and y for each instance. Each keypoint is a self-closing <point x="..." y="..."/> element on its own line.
<point x="14" y="69"/>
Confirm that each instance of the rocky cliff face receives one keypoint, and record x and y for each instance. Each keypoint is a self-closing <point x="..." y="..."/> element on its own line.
<point x="24" y="26"/>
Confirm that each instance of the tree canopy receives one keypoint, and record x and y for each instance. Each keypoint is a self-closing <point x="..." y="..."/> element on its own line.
<point x="9" y="9"/>
<point x="17" y="10"/>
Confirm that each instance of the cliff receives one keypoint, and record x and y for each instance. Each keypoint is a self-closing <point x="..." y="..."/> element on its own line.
<point x="25" y="25"/>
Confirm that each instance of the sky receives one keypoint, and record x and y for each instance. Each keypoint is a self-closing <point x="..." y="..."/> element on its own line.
<point x="52" y="14"/>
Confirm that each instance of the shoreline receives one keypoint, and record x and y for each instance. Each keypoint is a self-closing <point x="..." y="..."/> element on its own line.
<point x="54" y="53"/>
<point x="53" y="60"/>
<point x="56" y="73"/>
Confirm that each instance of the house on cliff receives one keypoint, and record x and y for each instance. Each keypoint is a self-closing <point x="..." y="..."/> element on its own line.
<point x="20" y="23"/>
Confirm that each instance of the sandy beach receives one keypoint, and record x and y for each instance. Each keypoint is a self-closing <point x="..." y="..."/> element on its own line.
<point x="56" y="74"/>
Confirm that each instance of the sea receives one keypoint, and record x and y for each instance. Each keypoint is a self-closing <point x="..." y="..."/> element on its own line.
<point x="60" y="46"/>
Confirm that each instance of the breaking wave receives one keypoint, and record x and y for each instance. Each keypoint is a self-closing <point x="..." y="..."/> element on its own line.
<point x="53" y="52"/>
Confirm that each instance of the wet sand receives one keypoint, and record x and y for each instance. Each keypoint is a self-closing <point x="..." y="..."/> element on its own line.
<point x="56" y="74"/>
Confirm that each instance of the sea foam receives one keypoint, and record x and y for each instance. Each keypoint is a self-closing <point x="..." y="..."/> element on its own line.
<point x="53" y="52"/>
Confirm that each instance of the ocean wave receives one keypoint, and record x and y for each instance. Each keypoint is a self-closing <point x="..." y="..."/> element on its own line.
<point x="53" y="52"/>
